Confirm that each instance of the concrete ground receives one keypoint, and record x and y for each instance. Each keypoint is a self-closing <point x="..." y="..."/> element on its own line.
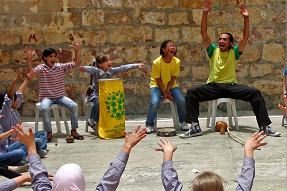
<point x="209" y="152"/>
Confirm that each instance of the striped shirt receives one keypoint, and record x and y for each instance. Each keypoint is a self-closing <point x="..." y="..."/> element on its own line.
<point x="52" y="80"/>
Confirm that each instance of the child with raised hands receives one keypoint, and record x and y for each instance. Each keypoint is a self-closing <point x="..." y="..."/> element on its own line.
<point x="70" y="176"/>
<point x="209" y="181"/>
<point x="52" y="86"/>
<point x="102" y="69"/>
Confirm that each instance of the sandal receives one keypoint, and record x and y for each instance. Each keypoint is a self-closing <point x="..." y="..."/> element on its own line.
<point x="79" y="137"/>
<point x="49" y="138"/>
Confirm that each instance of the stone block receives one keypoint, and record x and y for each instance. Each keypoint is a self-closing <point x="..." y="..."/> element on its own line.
<point x="185" y="70"/>
<point x="259" y="70"/>
<point x="255" y="15"/>
<point x="28" y="109"/>
<point x="130" y="34"/>
<point x="154" y="18"/>
<point x="56" y="37"/>
<point x="38" y="20"/>
<point x="11" y="22"/>
<point x="219" y="17"/>
<point x="264" y="33"/>
<point x="7" y="74"/>
<point x="200" y="72"/>
<point x="229" y="3"/>
<point x="84" y="75"/>
<point x="76" y="91"/>
<point x="78" y="4"/>
<point x="190" y="53"/>
<point x="115" y="4"/>
<point x="237" y="33"/>
<point x="71" y="74"/>
<point x="268" y="86"/>
<point x="75" y="17"/>
<point x="32" y="36"/>
<point x="256" y="2"/>
<point x="165" y="4"/>
<point x="178" y="18"/>
<point x="4" y="58"/>
<point x="19" y="7"/>
<point x="169" y="33"/>
<point x="92" y="17"/>
<point x="242" y="70"/>
<point x="137" y="3"/>
<point x="192" y="4"/>
<point x="154" y="53"/>
<point x="141" y="88"/>
<point x="145" y="71"/>
<point x="65" y="55"/>
<point x="18" y="57"/>
<point x="186" y="85"/>
<point x="119" y="18"/>
<point x="51" y="6"/>
<point x="88" y="54"/>
<point x="96" y="3"/>
<point x="93" y="38"/>
<point x="193" y="34"/>
<point x="196" y="16"/>
<point x="125" y="75"/>
<point x="251" y="53"/>
<point x="274" y="52"/>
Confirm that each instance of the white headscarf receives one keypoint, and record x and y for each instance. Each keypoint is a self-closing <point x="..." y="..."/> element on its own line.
<point x="69" y="177"/>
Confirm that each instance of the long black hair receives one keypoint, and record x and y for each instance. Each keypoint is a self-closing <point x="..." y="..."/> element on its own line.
<point x="163" y="45"/>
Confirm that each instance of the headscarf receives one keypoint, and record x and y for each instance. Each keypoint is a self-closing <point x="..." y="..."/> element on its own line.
<point x="69" y="177"/>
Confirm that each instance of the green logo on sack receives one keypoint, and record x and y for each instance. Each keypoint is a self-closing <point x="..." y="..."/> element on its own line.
<point x="116" y="104"/>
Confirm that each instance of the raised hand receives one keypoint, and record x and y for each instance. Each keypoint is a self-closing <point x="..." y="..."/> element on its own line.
<point x="133" y="139"/>
<point x="19" y="75"/>
<point x="29" y="53"/>
<point x="167" y="148"/>
<point x="243" y="10"/>
<point x="141" y="64"/>
<point x="32" y="74"/>
<point x="253" y="143"/>
<point x="77" y="45"/>
<point x="207" y="5"/>
<point x="82" y="69"/>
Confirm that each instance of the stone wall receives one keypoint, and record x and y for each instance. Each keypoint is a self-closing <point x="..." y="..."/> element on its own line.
<point x="131" y="31"/>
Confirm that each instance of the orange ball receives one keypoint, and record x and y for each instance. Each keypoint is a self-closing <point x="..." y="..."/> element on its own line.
<point x="220" y="124"/>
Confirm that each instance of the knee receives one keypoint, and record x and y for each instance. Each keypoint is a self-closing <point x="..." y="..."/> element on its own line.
<point x="74" y="106"/>
<point x="191" y="91"/>
<point x="155" y="104"/>
<point x="38" y="142"/>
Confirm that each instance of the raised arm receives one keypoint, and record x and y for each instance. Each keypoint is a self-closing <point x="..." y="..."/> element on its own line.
<point x="28" y="78"/>
<point x="29" y="55"/>
<point x="244" y="40"/>
<point x="76" y="47"/>
<point x="205" y="37"/>
<point x="11" y="89"/>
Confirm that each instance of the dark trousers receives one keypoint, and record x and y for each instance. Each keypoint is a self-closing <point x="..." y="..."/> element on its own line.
<point x="7" y="173"/>
<point x="213" y="91"/>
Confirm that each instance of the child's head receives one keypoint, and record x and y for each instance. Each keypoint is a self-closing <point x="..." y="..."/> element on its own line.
<point x="49" y="56"/>
<point x="167" y="48"/>
<point x="208" y="181"/>
<point x="2" y="96"/>
<point x="103" y="62"/>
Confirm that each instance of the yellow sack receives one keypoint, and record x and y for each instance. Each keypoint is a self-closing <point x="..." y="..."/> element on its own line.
<point x="112" y="108"/>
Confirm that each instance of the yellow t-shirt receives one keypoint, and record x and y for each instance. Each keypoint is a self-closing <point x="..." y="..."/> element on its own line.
<point x="222" y="65"/>
<point x="165" y="71"/>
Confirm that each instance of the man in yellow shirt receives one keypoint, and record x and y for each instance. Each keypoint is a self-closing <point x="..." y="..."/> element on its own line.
<point x="222" y="81"/>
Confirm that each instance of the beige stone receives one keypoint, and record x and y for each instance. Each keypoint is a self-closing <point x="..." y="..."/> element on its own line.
<point x="242" y="71"/>
<point x="259" y="70"/>
<point x="185" y="70"/>
<point x="93" y="38"/>
<point x="169" y="33"/>
<point x="137" y="3"/>
<point x="186" y="85"/>
<point x="38" y="20"/>
<point x="265" y="33"/>
<point x="56" y="37"/>
<point x="8" y="37"/>
<point x="256" y="2"/>
<point x="219" y="17"/>
<point x="18" y="58"/>
<point x="178" y="18"/>
<point x="7" y="74"/>
<point x="119" y="18"/>
<point x="254" y="15"/>
<point x="200" y="72"/>
<point x="237" y="33"/>
<point x="193" y="34"/>
<point x="75" y="17"/>
<point x="4" y="58"/>
<point x="269" y="87"/>
<point x="190" y="53"/>
<point x="137" y="87"/>
<point x="196" y="3"/>
<point x="251" y="53"/>
<point x="19" y="7"/>
<point x="274" y="52"/>
<point x="88" y="54"/>
<point x="11" y="22"/>
<point x="130" y="34"/>
<point x="32" y="36"/>
<point x="96" y="3"/>
<point x="116" y="4"/>
<point x="229" y="2"/>
<point x="155" y="18"/>
<point x="28" y="109"/>
<point x="78" y="4"/>
<point x="93" y="17"/>
<point x="196" y="16"/>
<point x="165" y="4"/>
<point x="154" y="53"/>
<point x="50" y="6"/>
<point x="71" y="74"/>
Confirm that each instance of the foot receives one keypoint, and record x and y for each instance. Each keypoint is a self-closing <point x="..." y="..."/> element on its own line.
<point x="42" y="153"/>
<point x="268" y="131"/>
<point x="49" y="136"/>
<point x="192" y="132"/>
<point x="91" y="123"/>
<point x="149" y="129"/>
<point x="184" y="126"/>
<point x="21" y="169"/>
<point x="76" y="135"/>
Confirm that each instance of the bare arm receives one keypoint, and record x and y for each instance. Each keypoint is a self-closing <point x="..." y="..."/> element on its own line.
<point x="29" y="77"/>
<point x="76" y="47"/>
<point x="3" y="136"/>
<point x="29" y="54"/>
<point x="11" y="89"/>
<point x="244" y="40"/>
<point x="205" y="37"/>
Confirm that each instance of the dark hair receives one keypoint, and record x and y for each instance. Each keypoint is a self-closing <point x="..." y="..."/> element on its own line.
<point x="163" y="45"/>
<point x="2" y="96"/>
<point x="47" y="52"/>
<point x="230" y="36"/>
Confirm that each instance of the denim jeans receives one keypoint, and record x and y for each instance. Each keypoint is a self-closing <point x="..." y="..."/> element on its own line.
<point x="43" y="137"/>
<point x="95" y="110"/>
<point x="156" y="97"/>
<point x="63" y="101"/>
<point x="17" y="152"/>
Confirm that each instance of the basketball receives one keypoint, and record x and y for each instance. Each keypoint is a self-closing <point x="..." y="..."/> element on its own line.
<point x="220" y="124"/>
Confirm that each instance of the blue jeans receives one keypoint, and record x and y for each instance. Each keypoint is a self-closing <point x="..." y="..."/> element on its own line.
<point x="63" y="101"/>
<point x="95" y="110"/>
<point x="156" y="97"/>
<point x="17" y="152"/>
<point x="43" y="137"/>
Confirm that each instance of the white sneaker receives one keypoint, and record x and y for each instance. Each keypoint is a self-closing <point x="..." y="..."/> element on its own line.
<point x="42" y="153"/>
<point x="184" y="126"/>
<point x="149" y="129"/>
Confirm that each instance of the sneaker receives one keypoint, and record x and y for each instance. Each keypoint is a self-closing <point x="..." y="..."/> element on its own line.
<point x="268" y="131"/>
<point x="42" y="153"/>
<point x="192" y="132"/>
<point x="91" y="123"/>
<point x="284" y="121"/>
<point x="149" y="129"/>
<point x="184" y="126"/>
<point x="20" y="169"/>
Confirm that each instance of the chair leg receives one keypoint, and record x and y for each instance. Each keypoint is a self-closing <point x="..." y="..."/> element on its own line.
<point x="235" y="115"/>
<point x="65" y="120"/>
<point x="208" y="113"/>
<point x="174" y="113"/>
<point x="229" y="112"/>
<point x="214" y="108"/>
<point x="89" y="107"/>
<point x="37" y="113"/>
<point x="57" y="119"/>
